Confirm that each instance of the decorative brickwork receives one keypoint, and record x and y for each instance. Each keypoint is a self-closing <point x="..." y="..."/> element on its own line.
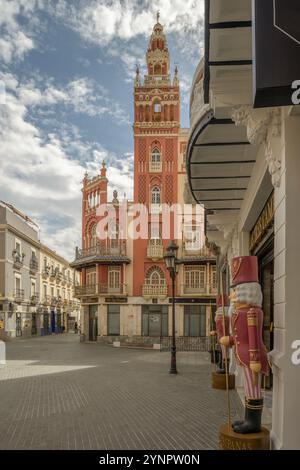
<point x="142" y="189"/>
<point x="169" y="150"/>
<point x="169" y="189"/>
<point x="142" y="150"/>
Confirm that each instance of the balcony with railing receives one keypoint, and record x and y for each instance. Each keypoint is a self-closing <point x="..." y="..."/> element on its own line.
<point x="34" y="298"/>
<point x="197" y="290"/>
<point x="33" y="265"/>
<point x="19" y="295"/>
<point x="18" y="259"/>
<point x="112" y="252"/>
<point x="46" y="300"/>
<point x="59" y="275"/>
<point x="100" y="289"/>
<point x="52" y="275"/>
<point x="192" y="250"/>
<point x="82" y="290"/>
<point x="46" y="272"/>
<point x="155" y="290"/>
<point x="155" y="167"/>
<point x="155" y="251"/>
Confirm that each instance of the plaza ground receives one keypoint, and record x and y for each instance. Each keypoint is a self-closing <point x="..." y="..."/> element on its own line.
<point x="57" y="393"/>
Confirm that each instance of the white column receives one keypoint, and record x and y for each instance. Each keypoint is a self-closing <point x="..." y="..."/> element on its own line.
<point x="286" y="409"/>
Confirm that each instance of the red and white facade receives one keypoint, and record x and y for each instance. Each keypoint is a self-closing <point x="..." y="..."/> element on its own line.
<point x="125" y="287"/>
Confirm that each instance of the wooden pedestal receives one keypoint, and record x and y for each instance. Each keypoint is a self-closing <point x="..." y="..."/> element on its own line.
<point x="230" y="440"/>
<point x="219" y="381"/>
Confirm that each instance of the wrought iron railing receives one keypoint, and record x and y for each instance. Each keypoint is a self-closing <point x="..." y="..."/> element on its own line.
<point x="101" y="250"/>
<point x="100" y="289"/>
<point x="34" y="298"/>
<point x="186" y="343"/>
<point x="19" y="295"/>
<point x="33" y="265"/>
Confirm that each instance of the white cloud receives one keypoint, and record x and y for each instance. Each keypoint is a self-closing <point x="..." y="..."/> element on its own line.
<point x="83" y="95"/>
<point x="115" y="26"/>
<point x="39" y="173"/>
<point x="16" y="40"/>
<point x="100" y="21"/>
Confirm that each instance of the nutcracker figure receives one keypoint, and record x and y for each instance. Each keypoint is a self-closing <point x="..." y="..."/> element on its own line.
<point x="222" y="301"/>
<point x="246" y="337"/>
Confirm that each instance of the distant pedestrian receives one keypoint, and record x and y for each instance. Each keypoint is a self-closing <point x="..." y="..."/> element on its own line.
<point x="76" y="328"/>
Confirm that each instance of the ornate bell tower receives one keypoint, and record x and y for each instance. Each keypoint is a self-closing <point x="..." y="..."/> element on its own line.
<point x="156" y="133"/>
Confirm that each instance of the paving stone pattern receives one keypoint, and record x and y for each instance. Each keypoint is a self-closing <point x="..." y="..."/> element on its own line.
<point x="57" y="393"/>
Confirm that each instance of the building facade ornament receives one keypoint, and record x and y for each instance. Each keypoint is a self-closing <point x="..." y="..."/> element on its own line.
<point x="263" y="127"/>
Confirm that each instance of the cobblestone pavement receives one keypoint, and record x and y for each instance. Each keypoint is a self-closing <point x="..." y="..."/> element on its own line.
<point x="56" y="393"/>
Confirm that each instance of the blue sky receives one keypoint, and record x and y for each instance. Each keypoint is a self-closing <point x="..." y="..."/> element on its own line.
<point x="66" y="91"/>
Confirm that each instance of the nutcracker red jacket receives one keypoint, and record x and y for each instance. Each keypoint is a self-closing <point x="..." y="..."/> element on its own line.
<point x="246" y="336"/>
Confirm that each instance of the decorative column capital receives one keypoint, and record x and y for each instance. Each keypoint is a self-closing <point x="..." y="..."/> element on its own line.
<point x="263" y="126"/>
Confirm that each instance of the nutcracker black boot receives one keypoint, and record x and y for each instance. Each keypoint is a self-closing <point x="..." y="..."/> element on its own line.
<point x="221" y="366"/>
<point x="253" y="422"/>
<point x="239" y="422"/>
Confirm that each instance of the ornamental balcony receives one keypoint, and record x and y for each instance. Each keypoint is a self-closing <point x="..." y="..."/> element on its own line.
<point x="59" y="275"/>
<point x="100" y="289"/>
<point x="196" y="290"/>
<point x="104" y="289"/>
<point x="102" y="254"/>
<point x="18" y="259"/>
<point x="155" y="290"/>
<point x="194" y="251"/>
<point x="34" y="299"/>
<point x="33" y="266"/>
<point x="52" y="275"/>
<point x="155" y="251"/>
<point x="155" y="167"/>
<point x="46" y="300"/>
<point x="19" y="295"/>
<point x="46" y="272"/>
<point x="53" y="301"/>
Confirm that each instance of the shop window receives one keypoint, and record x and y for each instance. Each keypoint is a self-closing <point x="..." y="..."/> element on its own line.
<point x="194" y="320"/>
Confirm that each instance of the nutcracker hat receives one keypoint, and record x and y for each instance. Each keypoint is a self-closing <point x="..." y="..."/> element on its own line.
<point x="221" y="302"/>
<point x="244" y="269"/>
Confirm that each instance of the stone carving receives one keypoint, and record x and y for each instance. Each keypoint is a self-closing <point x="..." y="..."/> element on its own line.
<point x="263" y="126"/>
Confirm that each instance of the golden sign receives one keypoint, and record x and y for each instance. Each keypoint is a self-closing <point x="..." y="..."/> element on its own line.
<point x="263" y="224"/>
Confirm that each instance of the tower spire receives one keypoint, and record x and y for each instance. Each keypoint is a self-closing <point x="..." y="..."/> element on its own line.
<point x="157" y="16"/>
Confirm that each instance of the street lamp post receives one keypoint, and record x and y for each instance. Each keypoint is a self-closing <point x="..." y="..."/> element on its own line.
<point x="171" y="262"/>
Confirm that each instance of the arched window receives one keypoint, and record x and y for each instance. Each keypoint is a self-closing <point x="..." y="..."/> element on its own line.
<point x="155" y="276"/>
<point x="155" y="195"/>
<point x="93" y="236"/>
<point x="157" y="69"/>
<point x="155" y="155"/>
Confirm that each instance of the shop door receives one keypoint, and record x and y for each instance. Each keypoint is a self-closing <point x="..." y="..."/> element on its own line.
<point x="58" y="323"/>
<point x="53" y="322"/>
<point x="93" y="322"/>
<point x="155" y="323"/>
<point x="33" y="324"/>
<point x="46" y="323"/>
<point x="18" y="324"/>
<point x="266" y="264"/>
